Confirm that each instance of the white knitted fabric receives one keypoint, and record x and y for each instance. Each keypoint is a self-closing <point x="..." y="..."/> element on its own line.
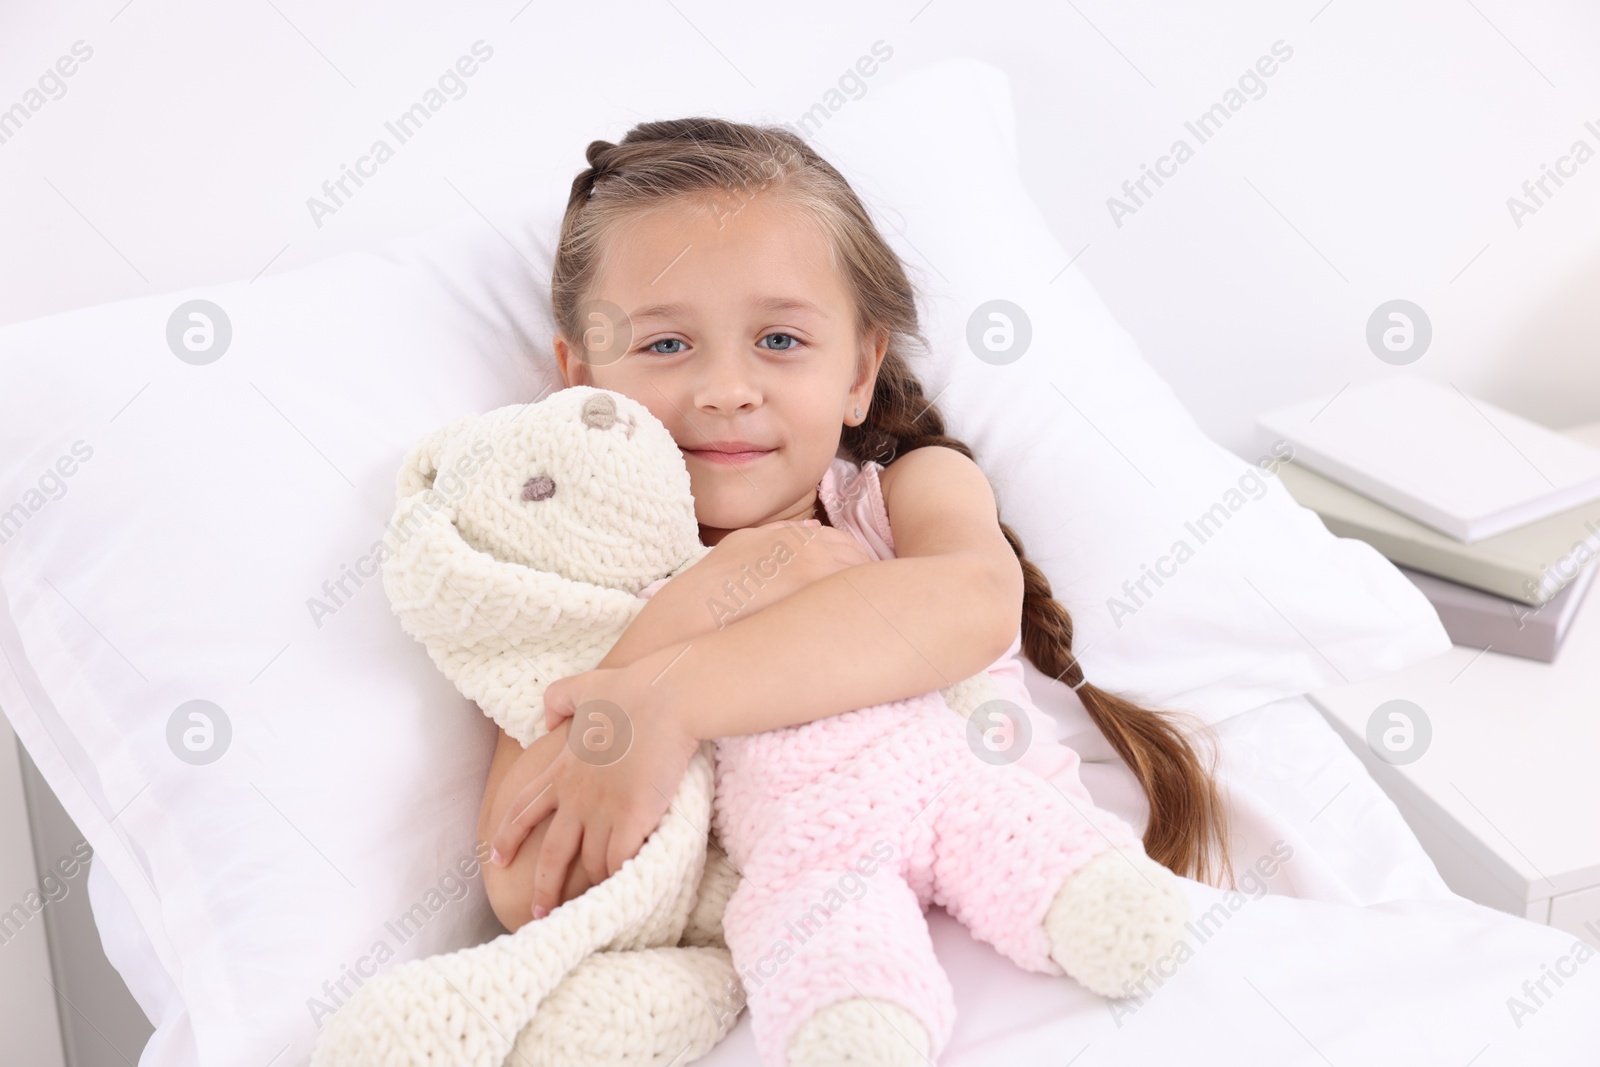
<point x="517" y="547"/>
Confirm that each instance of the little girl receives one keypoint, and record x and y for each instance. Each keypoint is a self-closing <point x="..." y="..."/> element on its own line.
<point x="729" y="279"/>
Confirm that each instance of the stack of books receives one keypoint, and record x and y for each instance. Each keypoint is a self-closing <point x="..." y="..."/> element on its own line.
<point x="1495" y="518"/>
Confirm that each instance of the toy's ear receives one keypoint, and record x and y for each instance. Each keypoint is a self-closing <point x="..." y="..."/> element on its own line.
<point x="422" y="462"/>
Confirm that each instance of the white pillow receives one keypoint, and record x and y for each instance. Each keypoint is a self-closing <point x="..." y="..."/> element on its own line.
<point x="1096" y="465"/>
<point x="179" y="553"/>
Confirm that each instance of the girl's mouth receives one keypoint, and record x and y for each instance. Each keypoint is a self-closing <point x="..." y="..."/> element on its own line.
<point x="734" y="459"/>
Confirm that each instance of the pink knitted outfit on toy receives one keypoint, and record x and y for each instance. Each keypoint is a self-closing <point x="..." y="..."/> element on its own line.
<point x="845" y="830"/>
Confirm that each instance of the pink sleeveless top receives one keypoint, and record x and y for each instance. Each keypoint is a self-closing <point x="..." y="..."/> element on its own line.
<point x="853" y="499"/>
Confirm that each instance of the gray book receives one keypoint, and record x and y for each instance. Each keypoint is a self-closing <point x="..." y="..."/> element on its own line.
<point x="1477" y="619"/>
<point x="1529" y="564"/>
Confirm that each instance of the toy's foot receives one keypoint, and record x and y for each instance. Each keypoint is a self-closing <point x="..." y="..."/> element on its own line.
<point x="860" y="1030"/>
<point x="1113" y="918"/>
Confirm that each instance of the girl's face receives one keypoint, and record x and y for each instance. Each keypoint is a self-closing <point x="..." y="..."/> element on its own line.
<point x="737" y="333"/>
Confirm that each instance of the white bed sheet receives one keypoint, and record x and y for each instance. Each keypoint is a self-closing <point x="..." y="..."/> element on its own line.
<point x="1356" y="953"/>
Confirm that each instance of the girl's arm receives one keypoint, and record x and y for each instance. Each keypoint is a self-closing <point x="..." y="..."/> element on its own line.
<point x="676" y="613"/>
<point x="947" y="607"/>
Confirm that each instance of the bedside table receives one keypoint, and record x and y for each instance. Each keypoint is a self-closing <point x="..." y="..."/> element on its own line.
<point x="1501" y="782"/>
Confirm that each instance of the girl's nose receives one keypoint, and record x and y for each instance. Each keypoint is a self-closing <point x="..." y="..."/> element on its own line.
<point x="725" y="380"/>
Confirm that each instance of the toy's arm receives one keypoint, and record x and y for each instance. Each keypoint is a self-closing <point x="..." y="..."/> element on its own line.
<point x="675" y="613"/>
<point x="662" y="620"/>
<point x="944" y="609"/>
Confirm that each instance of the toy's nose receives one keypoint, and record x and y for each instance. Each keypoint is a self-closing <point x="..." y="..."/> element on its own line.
<point x="539" y="487"/>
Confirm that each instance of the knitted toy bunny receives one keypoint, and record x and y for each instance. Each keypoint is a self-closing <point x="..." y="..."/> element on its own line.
<point x="515" y="554"/>
<point x="520" y="543"/>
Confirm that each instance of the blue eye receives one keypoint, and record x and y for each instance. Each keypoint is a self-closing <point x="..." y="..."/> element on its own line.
<point x="785" y="348"/>
<point x="793" y="342"/>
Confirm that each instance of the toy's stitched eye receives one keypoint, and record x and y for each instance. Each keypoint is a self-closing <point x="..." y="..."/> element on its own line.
<point x="600" y="413"/>
<point x="539" y="487"/>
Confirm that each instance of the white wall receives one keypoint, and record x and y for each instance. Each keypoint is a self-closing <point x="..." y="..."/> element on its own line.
<point x="1390" y="141"/>
<point x="1377" y="164"/>
<point x="28" y="1019"/>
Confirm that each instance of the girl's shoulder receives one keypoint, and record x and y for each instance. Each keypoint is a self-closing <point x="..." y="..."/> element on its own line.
<point x="855" y="495"/>
<point x="852" y="495"/>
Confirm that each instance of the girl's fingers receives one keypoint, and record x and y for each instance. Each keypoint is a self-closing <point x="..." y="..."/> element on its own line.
<point x="614" y="854"/>
<point x="557" y="706"/>
<point x="595" y="842"/>
<point x="555" y="856"/>
<point x="625" y="844"/>
<point x="555" y="715"/>
<point x="532" y="803"/>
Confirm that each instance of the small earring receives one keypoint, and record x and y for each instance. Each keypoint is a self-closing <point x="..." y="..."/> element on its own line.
<point x="858" y="412"/>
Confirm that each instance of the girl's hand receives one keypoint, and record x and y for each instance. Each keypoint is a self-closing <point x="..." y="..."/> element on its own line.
<point x="607" y="789"/>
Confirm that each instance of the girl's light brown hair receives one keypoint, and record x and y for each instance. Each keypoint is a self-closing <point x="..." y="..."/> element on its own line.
<point x="722" y="164"/>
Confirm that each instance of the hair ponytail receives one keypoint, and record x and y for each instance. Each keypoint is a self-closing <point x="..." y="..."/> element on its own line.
<point x="1181" y="791"/>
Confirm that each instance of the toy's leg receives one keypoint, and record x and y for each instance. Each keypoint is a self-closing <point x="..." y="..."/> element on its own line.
<point x="1051" y="881"/>
<point x="836" y="961"/>
<point x="827" y="927"/>
<point x="624" y="1009"/>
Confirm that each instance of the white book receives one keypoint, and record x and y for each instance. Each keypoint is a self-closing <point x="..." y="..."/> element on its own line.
<point x="1452" y="462"/>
